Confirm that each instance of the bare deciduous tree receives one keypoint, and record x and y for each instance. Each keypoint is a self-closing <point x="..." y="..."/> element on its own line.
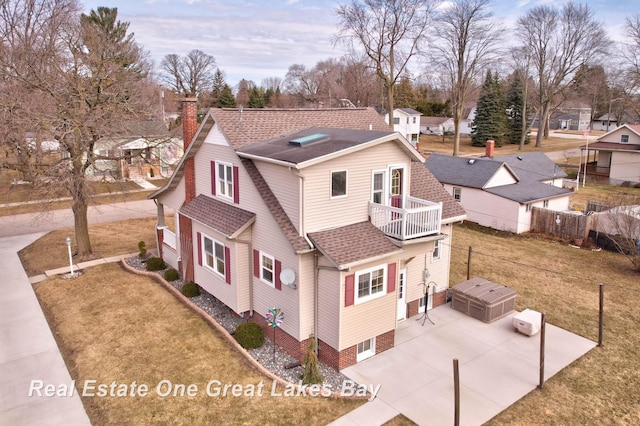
<point x="391" y="33"/>
<point x="467" y="43"/>
<point x="83" y="75"/>
<point x="559" y="42"/>
<point x="193" y="74"/>
<point x="621" y="223"/>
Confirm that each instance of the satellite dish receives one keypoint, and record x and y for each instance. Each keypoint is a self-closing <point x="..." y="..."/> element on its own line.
<point x="288" y="276"/>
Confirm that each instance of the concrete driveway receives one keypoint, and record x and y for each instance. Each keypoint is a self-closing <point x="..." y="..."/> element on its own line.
<point x="497" y="365"/>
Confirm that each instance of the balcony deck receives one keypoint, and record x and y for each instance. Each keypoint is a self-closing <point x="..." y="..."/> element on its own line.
<point x="420" y="218"/>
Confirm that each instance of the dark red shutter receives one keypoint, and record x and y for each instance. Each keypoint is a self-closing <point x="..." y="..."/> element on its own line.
<point x="349" y="283"/>
<point x="227" y="265"/>
<point x="213" y="178"/>
<point x="256" y="263"/>
<point x="199" y="248"/>
<point x="236" y="185"/>
<point x="391" y="277"/>
<point x="276" y="279"/>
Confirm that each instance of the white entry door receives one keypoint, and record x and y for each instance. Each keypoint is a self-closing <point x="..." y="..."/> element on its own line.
<point x="402" y="295"/>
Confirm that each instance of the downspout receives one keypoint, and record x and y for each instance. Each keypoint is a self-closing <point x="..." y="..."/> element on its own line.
<point x="158" y="208"/>
<point x="301" y="217"/>
<point x="316" y="290"/>
<point x="250" y="272"/>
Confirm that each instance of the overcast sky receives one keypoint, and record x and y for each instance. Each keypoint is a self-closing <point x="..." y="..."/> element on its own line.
<point x="256" y="39"/>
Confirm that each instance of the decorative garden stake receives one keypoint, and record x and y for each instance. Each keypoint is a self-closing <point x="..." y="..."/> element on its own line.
<point x="274" y="318"/>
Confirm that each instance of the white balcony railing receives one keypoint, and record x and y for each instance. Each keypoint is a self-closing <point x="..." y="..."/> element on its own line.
<point x="169" y="238"/>
<point x="419" y="218"/>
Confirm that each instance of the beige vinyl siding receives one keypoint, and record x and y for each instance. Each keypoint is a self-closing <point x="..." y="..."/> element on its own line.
<point x="365" y="320"/>
<point x="305" y="281"/>
<point x="175" y="197"/>
<point x="241" y="270"/>
<point x="330" y="301"/>
<point x="285" y="185"/>
<point x="209" y="280"/>
<point x="323" y="212"/>
<point x="502" y="177"/>
<point x="625" y="166"/>
<point x="215" y="137"/>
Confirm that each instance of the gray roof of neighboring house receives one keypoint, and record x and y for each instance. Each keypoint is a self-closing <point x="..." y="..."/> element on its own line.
<point x="353" y="243"/>
<point x="532" y="166"/>
<point x="476" y="172"/>
<point x="328" y="141"/>
<point x="528" y="192"/>
<point x="433" y="121"/>
<point x="227" y="219"/>
<point x="410" y="111"/>
<point x="470" y="172"/>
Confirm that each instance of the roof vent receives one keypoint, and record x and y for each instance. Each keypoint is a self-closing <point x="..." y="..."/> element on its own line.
<point x="471" y="161"/>
<point x="309" y="140"/>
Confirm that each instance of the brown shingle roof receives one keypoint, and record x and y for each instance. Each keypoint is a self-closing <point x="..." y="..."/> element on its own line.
<point x="224" y="218"/>
<point x="298" y="243"/>
<point x="424" y="185"/>
<point x="353" y="243"/>
<point x="253" y="125"/>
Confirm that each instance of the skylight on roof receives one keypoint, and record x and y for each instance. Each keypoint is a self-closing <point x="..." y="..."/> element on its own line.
<point x="309" y="140"/>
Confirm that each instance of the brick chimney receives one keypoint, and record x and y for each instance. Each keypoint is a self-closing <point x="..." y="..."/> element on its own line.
<point x="489" y="148"/>
<point x="189" y="129"/>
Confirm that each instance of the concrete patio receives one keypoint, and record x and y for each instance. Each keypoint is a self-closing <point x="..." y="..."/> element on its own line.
<point x="497" y="366"/>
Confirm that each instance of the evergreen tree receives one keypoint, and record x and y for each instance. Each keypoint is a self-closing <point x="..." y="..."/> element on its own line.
<point x="405" y="96"/>
<point x="256" y="98"/>
<point x="491" y="116"/>
<point x="515" y="107"/>
<point x="226" y="98"/>
<point x="216" y="88"/>
<point x="312" y="374"/>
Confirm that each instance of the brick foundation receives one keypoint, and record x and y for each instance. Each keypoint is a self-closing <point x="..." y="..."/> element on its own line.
<point x="284" y="340"/>
<point x="439" y="299"/>
<point x="348" y="357"/>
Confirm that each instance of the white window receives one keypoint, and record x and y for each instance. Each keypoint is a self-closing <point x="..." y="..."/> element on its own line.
<point x="414" y="120"/>
<point x="366" y="349"/>
<point x="214" y="255"/>
<point x="338" y="184"/>
<point x="545" y="204"/>
<point x="528" y="207"/>
<point x="457" y="193"/>
<point x="377" y="187"/>
<point x="267" y="269"/>
<point x="624" y="138"/>
<point x="224" y="179"/>
<point x="371" y="284"/>
<point x="437" y="246"/>
<point x="396" y="120"/>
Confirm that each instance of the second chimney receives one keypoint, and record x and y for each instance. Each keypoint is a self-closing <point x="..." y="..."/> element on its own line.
<point x="489" y="148"/>
<point x="189" y="119"/>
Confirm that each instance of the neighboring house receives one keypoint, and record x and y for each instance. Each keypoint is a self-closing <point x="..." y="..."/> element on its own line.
<point x="144" y="149"/>
<point x="406" y="121"/>
<point x="570" y="118"/>
<point x="323" y="213"/>
<point x="605" y="123"/>
<point x="436" y="125"/>
<point x="616" y="155"/>
<point x="466" y="123"/>
<point x="500" y="192"/>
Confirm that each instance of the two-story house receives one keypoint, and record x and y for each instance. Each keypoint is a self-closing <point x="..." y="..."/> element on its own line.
<point x="616" y="155"/>
<point x="406" y="121"/>
<point x="323" y="213"/>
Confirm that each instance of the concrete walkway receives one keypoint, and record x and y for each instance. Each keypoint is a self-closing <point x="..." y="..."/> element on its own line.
<point x="497" y="367"/>
<point x="28" y="350"/>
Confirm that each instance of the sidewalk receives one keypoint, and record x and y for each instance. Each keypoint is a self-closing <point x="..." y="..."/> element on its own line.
<point x="29" y="351"/>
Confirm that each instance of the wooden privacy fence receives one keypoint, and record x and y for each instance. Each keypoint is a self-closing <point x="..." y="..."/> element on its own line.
<point x="562" y="224"/>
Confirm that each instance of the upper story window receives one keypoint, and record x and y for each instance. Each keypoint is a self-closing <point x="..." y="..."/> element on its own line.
<point x="414" y="120"/>
<point x="377" y="187"/>
<point x="371" y="283"/>
<point x="338" y="184"/>
<point x="624" y="138"/>
<point x="396" y="120"/>
<point x="457" y="193"/>
<point x="225" y="179"/>
<point x="545" y="204"/>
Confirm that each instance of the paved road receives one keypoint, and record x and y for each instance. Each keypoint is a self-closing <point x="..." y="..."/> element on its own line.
<point x="58" y="219"/>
